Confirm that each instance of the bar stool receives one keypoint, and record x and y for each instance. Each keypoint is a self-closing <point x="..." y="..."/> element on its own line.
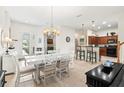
<point x="94" y="56"/>
<point x="91" y="54"/>
<point x="88" y="58"/>
<point x="82" y="53"/>
<point x="77" y="52"/>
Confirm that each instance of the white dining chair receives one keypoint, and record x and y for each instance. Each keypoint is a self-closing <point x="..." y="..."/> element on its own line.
<point x="62" y="67"/>
<point x="48" y="70"/>
<point x="22" y="72"/>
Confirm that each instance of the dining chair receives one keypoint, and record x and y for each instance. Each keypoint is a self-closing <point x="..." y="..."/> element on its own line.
<point x="22" y="71"/>
<point x="71" y="58"/>
<point x="62" y="67"/>
<point x="48" y="70"/>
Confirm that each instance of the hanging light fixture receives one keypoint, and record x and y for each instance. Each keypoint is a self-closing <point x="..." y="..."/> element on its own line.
<point x="93" y="25"/>
<point x="51" y="31"/>
<point x="93" y="28"/>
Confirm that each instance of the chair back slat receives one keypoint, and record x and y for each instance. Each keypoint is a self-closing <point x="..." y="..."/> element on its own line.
<point x="63" y="63"/>
<point x="49" y="68"/>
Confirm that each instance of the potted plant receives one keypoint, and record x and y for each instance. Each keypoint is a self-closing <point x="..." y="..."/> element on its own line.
<point x="113" y="33"/>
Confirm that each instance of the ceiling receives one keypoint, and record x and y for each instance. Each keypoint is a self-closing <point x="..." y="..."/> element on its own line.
<point x="71" y="16"/>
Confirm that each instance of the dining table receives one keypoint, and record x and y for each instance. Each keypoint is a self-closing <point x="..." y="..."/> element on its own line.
<point x="35" y="60"/>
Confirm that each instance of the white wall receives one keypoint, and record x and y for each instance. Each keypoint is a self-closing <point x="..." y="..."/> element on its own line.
<point x="104" y="32"/>
<point x="79" y="34"/>
<point x="18" y="29"/>
<point x="83" y="33"/>
<point x="90" y="33"/>
<point x="61" y="43"/>
<point x="37" y="32"/>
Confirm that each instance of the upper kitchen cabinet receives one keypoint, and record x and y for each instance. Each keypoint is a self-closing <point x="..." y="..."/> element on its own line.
<point x="112" y="39"/>
<point x="97" y="40"/>
<point x="93" y="40"/>
<point x="103" y="40"/>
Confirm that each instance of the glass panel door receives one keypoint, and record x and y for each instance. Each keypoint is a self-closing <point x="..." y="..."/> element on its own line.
<point x="25" y="43"/>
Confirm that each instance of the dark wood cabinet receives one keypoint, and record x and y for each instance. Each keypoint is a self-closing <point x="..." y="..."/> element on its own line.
<point x="113" y="38"/>
<point x="105" y="40"/>
<point x="93" y="40"/>
<point x="103" y="51"/>
<point x="101" y="40"/>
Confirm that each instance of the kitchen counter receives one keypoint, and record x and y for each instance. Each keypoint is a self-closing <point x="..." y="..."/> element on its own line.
<point x="109" y="50"/>
<point x="106" y="45"/>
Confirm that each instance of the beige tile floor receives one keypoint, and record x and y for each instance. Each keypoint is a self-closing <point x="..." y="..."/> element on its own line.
<point x="77" y="77"/>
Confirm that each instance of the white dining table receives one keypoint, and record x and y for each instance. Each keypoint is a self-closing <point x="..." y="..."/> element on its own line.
<point x="36" y="60"/>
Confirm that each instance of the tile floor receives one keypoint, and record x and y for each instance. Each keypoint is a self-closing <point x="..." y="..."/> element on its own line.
<point x="77" y="77"/>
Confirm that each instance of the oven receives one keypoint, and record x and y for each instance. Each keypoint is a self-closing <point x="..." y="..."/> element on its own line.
<point x="112" y="51"/>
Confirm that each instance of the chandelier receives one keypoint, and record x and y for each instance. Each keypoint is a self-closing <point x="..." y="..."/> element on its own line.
<point x="51" y="31"/>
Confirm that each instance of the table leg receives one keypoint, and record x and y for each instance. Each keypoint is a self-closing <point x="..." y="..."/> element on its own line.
<point x="37" y="75"/>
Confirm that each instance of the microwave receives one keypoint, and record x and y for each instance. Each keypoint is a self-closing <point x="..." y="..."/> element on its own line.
<point x="112" y="41"/>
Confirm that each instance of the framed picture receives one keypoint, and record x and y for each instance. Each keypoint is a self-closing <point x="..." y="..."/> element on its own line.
<point x="49" y="41"/>
<point x="81" y="41"/>
<point x="39" y="40"/>
<point x="68" y="39"/>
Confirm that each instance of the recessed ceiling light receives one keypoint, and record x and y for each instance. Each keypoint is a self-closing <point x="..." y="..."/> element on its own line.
<point x="99" y="27"/>
<point x="93" y="25"/>
<point x="109" y="25"/>
<point x="104" y="22"/>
